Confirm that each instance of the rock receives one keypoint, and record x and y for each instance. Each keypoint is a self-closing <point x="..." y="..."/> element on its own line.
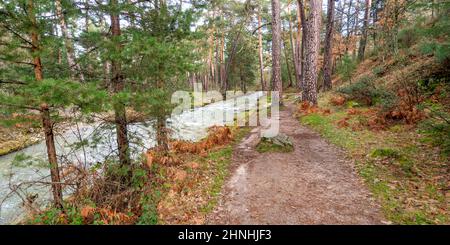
<point x="280" y="140"/>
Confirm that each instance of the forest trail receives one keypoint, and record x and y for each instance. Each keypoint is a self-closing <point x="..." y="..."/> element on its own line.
<point x="314" y="184"/>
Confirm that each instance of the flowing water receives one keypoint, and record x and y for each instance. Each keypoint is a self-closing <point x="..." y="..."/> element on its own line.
<point x="188" y="125"/>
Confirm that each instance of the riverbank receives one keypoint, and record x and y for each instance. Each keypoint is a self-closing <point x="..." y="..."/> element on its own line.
<point x="149" y="181"/>
<point x="13" y="139"/>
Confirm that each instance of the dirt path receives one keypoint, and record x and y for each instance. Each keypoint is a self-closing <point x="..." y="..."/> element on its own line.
<point x="314" y="184"/>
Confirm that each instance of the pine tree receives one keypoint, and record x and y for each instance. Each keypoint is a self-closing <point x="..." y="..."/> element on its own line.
<point x="328" y="49"/>
<point x="277" y="84"/>
<point x="312" y="42"/>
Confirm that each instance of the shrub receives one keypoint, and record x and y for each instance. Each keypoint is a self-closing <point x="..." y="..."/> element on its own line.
<point x="408" y="37"/>
<point x="379" y="71"/>
<point x="346" y="67"/>
<point x="437" y="128"/>
<point x="365" y="91"/>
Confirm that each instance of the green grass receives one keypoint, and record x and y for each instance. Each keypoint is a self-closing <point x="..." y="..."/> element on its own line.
<point x="385" y="152"/>
<point x="324" y="125"/>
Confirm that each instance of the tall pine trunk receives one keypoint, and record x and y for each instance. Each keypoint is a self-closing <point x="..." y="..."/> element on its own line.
<point x="298" y="48"/>
<point x="117" y="83"/>
<point x="349" y="32"/>
<point x="223" y="85"/>
<point x="312" y="43"/>
<point x="293" y="49"/>
<point x="301" y="10"/>
<point x="328" y="52"/>
<point x="363" y="41"/>
<point x="260" y="49"/>
<point x="75" y="69"/>
<point x="286" y="57"/>
<point x="47" y="123"/>
<point x="276" y="49"/>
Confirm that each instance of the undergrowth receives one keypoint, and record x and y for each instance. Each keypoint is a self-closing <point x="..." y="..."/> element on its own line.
<point x="405" y="174"/>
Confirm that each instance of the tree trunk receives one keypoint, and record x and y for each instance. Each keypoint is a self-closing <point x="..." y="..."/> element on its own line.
<point x="51" y="154"/>
<point x="161" y="134"/>
<point x="45" y="113"/>
<point x="75" y="69"/>
<point x="349" y="32"/>
<point x="234" y="47"/>
<point x="276" y="49"/>
<point x="363" y="41"/>
<point x="312" y="52"/>
<point x="305" y="27"/>
<point x="117" y="83"/>
<point x="223" y="84"/>
<point x="291" y="41"/>
<point x="374" y="22"/>
<point x="298" y="48"/>
<point x="328" y="53"/>
<point x="356" y="27"/>
<point x="210" y="63"/>
<point x="260" y="48"/>
<point x="286" y="57"/>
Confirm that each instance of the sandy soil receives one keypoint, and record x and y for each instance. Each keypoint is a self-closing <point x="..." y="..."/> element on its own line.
<point x="314" y="184"/>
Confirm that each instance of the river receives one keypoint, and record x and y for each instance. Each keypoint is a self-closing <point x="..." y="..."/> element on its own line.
<point x="189" y="125"/>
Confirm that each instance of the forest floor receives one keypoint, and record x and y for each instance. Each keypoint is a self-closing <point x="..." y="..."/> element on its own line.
<point x="313" y="184"/>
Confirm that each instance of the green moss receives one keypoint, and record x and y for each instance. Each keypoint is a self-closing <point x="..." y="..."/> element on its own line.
<point x="386" y="152"/>
<point x="265" y="146"/>
<point x="324" y="125"/>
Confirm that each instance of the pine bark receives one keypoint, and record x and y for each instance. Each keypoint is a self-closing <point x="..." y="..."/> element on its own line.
<point x="349" y="31"/>
<point x="363" y="41"/>
<point x="312" y="43"/>
<point x="223" y="84"/>
<point x="304" y="25"/>
<point x="328" y="50"/>
<point x="260" y="49"/>
<point x="118" y="83"/>
<point x="298" y="48"/>
<point x="276" y="49"/>
<point x="293" y="49"/>
<point x="47" y="123"/>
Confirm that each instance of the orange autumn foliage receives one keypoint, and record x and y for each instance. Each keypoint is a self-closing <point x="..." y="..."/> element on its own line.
<point x="217" y="136"/>
<point x="105" y="216"/>
<point x="306" y="108"/>
<point x="337" y="100"/>
<point x="406" y="108"/>
<point x="353" y="112"/>
<point x="343" y="123"/>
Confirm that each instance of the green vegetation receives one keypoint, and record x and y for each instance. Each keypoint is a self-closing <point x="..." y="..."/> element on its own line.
<point x="114" y="65"/>
<point x="265" y="146"/>
<point x="390" y="173"/>
<point x="346" y="67"/>
<point x="365" y="91"/>
<point x="324" y="125"/>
